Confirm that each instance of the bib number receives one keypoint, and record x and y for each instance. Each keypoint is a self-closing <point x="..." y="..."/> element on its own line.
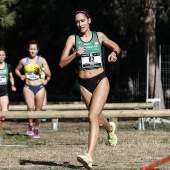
<point x="3" y="80"/>
<point x="32" y="76"/>
<point x="92" y="60"/>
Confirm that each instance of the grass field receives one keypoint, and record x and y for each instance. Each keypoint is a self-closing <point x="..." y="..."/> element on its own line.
<point x="57" y="150"/>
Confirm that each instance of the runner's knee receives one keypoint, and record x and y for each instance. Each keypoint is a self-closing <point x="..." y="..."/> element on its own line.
<point x="101" y="120"/>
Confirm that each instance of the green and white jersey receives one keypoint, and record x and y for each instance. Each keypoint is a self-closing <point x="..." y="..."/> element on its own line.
<point x="92" y="57"/>
<point x="4" y="75"/>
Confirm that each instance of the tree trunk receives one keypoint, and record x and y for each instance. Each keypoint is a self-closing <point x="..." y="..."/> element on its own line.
<point x="155" y="85"/>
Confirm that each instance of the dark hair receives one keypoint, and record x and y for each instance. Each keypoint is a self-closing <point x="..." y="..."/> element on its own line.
<point x="2" y="49"/>
<point x="33" y="42"/>
<point x="83" y="11"/>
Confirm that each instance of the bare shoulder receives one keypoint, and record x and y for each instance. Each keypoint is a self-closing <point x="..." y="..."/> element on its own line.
<point x="22" y="61"/>
<point x="72" y="36"/>
<point x="101" y="36"/>
<point x="42" y="59"/>
<point x="71" y="39"/>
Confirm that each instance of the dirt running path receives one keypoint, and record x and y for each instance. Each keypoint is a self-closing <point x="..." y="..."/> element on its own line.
<point x="57" y="150"/>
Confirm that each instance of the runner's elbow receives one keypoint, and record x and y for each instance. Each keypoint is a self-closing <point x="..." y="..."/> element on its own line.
<point x="61" y="65"/>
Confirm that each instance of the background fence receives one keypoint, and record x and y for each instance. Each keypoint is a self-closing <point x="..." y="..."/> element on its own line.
<point x="130" y="83"/>
<point x="165" y="73"/>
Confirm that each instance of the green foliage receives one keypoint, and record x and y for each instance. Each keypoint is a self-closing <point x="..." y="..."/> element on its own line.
<point x="9" y="2"/>
<point x="9" y="20"/>
<point x="128" y="16"/>
<point x="7" y="17"/>
<point x="3" y="9"/>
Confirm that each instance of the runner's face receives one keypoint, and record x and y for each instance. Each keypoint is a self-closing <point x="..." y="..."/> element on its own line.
<point x="2" y="56"/>
<point x="82" y="22"/>
<point x="33" y="51"/>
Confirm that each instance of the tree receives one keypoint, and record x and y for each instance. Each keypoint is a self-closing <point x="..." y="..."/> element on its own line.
<point x="151" y="8"/>
<point x="140" y="17"/>
<point x="150" y="48"/>
<point x="7" y="17"/>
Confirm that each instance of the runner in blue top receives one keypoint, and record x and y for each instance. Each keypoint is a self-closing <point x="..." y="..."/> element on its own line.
<point x="94" y="85"/>
<point x="33" y="90"/>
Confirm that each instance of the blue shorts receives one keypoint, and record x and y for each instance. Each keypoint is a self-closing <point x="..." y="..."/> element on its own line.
<point x="91" y="83"/>
<point x="34" y="89"/>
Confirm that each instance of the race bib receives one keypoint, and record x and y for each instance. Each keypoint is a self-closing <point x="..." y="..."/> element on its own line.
<point x="32" y="76"/>
<point x="91" y="60"/>
<point x="3" y="80"/>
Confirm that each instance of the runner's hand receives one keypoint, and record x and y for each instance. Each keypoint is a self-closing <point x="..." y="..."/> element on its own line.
<point x="80" y="51"/>
<point x="112" y="57"/>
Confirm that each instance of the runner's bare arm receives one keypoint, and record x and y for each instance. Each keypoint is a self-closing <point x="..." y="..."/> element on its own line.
<point x="18" y="68"/>
<point x="11" y="79"/>
<point x="46" y="69"/>
<point x="65" y="57"/>
<point x="110" y="44"/>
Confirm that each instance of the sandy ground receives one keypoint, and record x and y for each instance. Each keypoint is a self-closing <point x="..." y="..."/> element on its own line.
<point x="57" y="150"/>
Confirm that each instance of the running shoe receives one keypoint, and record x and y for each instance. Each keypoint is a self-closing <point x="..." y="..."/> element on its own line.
<point x="36" y="134"/>
<point x="30" y="131"/>
<point x="86" y="160"/>
<point x="112" y="138"/>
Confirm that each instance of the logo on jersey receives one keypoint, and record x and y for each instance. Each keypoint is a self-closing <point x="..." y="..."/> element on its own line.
<point x="79" y="44"/>
<point x="96" y="41"/>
